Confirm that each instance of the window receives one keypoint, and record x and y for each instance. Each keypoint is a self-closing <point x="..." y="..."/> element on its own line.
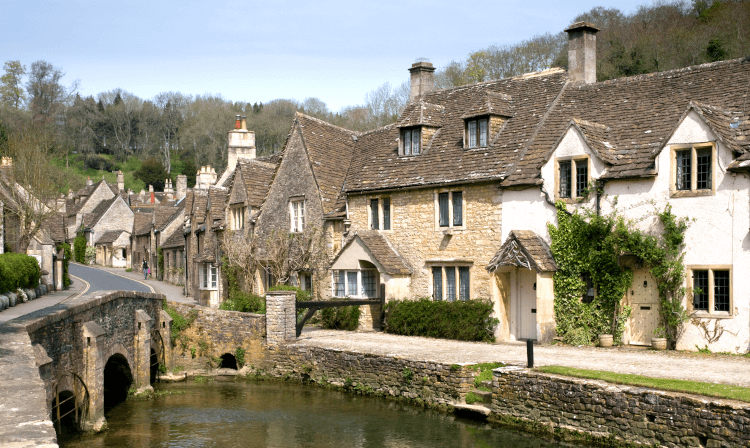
<point x="380" y="213"/>
<point x="297" y="215"/>
<point x="476" y="133"/>
<point x="361" y="283"/>
<point x="451" y="283"/>
<point x="208" y="276"/>
<point x="303" y="281"/>
<point x="572" y="178"/>
<point x="693" y="170"/>
<point x="411" y="138"/>
<point x="711" y="289"/>
<point x="450" y="207"/>
<point x="238" y="217"/>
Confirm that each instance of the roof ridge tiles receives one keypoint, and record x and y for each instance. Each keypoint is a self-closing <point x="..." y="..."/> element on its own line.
<point x="323" y="122"/>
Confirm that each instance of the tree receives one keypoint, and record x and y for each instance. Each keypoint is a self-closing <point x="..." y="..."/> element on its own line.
<point x="30" y="190"/>
<point x="152" y="172"/>
<point x="46" y="94"/>
<point x="11" y="89"/>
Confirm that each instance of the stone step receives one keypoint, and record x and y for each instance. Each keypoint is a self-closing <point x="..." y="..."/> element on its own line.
<point x="485" y="396"/>
<point x="472" y="411"/>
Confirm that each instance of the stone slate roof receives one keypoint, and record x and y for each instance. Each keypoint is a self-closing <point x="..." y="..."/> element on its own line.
<point x="377" y="165"/>
<point x="177" y="239"/>
<point x="381" y="249"/>
<point x="110" y="236"/>
<point x="142" y="222"/>
<point x="421" y="113"/>
<point x="163" y="215"/>
<point x="524" y="248"/>
<point x="330" y="150"/>
<point x="492" y="104"/>
<point x="642" y="112"/>
<point x="200" y="201"/>
<point x="91" y="219"/>
<point x="217" y="198"/>
<point x="55" y="227"/>
<point x="257" y="175"/>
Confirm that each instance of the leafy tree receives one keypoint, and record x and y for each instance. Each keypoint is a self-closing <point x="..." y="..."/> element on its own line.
<point x="152" y="172"/>
<point x="11" y="89"/>
<point x="79" y="248"/>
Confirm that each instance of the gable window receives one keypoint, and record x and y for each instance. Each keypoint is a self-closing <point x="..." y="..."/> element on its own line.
<point x="380" y="213"/>
<point x="477" y="132"/>
<point x="451" y="283"/>
<point x="693" y="170"/>
<point x="411" y="138"/>
<point x="572" y="178"/>
<point x="362" y="283"/>
<point x="297" y="215"/>
<point x="712" y="289"/>
<point x="238" y="217"/>
<point x="450" y="208"/>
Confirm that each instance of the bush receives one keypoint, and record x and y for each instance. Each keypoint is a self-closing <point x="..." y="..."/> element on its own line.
<point x="18" y="271"/>
<point x="245" y="302"/>
<point x="340" y="318"/>
<point x="90" y="254"/>
<point x="79" y="247"/>
<point x="66" y="260"/>
<point x="300" y="295"/>
<point x="463" y="321"/>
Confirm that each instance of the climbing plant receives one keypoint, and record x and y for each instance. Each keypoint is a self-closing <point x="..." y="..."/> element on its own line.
<point x="587" y="245"/>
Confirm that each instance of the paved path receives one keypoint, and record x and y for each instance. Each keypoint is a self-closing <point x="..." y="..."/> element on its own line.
<point x="724" y="369"/>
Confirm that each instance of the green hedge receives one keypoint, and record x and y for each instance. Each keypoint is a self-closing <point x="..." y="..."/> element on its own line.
<point x="245" y="302"/>
<point x="463" y="321"/>
<point x="66" y="261"/>
<point x="340" y="318"/>
<point x="79" y="247"/>
<point x="18" y="271"/>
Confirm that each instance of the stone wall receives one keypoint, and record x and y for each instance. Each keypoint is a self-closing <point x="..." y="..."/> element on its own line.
<point x="635" y="414"/>
<point x="216" y="332"/>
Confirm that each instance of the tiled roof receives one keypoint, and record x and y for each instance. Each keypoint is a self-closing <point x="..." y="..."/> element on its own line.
<point x="91" y="219"/>
<point x="257" y="176"/>
<point x="142" y="222"/>
<point x="177" y="239"/>
<point x="217" y="198"/>
<point x="55" y="227"/>
<point x="377" y="165"/>
<point x="199" y="207"/>
<point x="381" y="249"/>
<point x="420" y="113"/>
<point x="524" y="248"/>
<point x="330" y="150"/>
<point x="642" y="112"/>
<point x="164" y="215"/>
<point x="110" y="237"/>
<point x="491" y="104"/>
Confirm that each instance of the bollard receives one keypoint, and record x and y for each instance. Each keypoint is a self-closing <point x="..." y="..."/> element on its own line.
<point x="530" y="352"/>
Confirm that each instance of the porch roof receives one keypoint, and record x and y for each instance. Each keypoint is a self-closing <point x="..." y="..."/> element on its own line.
<point x="526" y="249"/>
<point x="381" y="249"/>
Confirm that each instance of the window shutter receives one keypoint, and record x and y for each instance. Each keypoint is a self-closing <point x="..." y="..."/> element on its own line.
<point x="463" y="278"/>
<point x="458" y="209"/>
<point x="437" y="283"/>
<point x="386" y="214"/>
<point x="443" y="209"/>
<point x="374" y="224"/>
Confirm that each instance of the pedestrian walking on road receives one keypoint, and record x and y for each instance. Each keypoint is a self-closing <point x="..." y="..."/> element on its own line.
<point x="145" y="269"/>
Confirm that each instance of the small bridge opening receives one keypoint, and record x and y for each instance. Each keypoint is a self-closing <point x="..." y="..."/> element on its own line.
<point x="65" y="414"/>
<point x="228" y="361"/>
<point x="117" y="381"/>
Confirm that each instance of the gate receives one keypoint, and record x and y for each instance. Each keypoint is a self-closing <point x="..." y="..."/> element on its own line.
<point x="314" y="306"/>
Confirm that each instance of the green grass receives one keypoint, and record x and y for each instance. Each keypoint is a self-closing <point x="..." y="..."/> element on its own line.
<point x="691" y="387"/>
<point x="485" y="371"/>
<point x="472" y="398"/>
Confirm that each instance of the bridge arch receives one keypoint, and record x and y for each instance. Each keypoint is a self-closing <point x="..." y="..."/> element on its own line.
<point x="118" y="377"/>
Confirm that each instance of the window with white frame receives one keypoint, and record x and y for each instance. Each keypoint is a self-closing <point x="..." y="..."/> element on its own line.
<point x="410" y="141"/>
<point x="572" y="177"/>
<point x="451" y="283"/>
<point x="238" y="217"/>
<point x="477" y="130"/>
<point x="380" y="213"/>
<point x="297" y="215"/>
<point x="450" y="208"/>
<point x="361" y="283"/>
<point x="208" y="276"/>
<point x="711" y="289"/>
<point x="693" y="169"/>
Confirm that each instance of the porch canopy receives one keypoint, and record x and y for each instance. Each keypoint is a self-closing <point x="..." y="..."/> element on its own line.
<point x="372" y="247"/>
<point x="525" y="249"/>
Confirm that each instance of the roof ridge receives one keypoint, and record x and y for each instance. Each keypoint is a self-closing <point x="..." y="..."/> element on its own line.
<point x="529" y="75"/>
<point x="323" y="122"/>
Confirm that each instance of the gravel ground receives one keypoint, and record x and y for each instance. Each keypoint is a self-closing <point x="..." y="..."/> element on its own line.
<point x="724" y="369"/>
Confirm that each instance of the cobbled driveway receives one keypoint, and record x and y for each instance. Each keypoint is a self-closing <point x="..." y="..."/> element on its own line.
<point x="724" y="369"/>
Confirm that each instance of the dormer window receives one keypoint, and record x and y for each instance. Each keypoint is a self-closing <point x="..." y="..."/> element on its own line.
<point x="411" y="138"/>
<point x="572" y="178"/>
<point x="477" y="132"/>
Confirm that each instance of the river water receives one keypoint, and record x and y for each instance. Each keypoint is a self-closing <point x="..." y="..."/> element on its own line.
<point x="275" y="414"/>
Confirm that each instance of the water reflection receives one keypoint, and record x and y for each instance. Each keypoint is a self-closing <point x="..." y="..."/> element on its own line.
<point x="250" y="414"/>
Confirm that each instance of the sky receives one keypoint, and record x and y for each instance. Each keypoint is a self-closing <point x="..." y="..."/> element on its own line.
<point x="336" y="51"/>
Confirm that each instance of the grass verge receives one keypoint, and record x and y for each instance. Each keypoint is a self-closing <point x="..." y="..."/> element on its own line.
<point x="691" y="387"/>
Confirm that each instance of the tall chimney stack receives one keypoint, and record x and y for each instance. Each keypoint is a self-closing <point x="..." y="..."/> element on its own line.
<point x="422" y="79"/>
<point x="181" y="186"/>
<point x="582" y="52"/>
<point x="120" y="182"/>
<point x="240" y="145"/>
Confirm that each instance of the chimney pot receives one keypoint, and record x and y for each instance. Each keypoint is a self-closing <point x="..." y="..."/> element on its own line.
<point x="582" y="52"/>
<point x="237" y="122"/>
<point x="422" y="79"/>
<point x="244" y="123"/>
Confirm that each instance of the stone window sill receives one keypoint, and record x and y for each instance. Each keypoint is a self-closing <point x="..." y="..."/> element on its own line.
<point x="690" y="194"/>
<point x="715" y="315"/>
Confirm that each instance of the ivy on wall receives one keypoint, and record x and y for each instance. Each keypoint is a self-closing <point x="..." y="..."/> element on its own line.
<point x="585" y="244"/>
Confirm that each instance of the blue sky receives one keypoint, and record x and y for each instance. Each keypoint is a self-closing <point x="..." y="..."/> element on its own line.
<point x="257" y="51"/>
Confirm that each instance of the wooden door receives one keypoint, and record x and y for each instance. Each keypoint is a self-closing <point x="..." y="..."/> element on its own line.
<point x="644" y="298"/>
<point x="527" y="304"/>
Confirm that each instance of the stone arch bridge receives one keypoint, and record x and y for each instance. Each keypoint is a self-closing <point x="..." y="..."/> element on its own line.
<point x="87" y="355"/>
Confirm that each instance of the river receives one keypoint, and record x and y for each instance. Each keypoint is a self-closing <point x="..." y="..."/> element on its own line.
<point x="275" y="414"/>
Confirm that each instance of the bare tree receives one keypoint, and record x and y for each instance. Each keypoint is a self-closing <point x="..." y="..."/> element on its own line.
<point x="46" y="94"/>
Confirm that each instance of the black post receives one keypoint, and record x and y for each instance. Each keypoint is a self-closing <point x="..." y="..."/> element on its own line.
<point x="530" y="352"/>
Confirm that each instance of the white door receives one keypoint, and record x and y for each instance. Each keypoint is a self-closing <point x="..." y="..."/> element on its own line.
<point x="527" y="304"/>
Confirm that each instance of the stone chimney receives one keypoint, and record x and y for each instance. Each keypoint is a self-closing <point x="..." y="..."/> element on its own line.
<point x="168" y="191"/>
<point x="89" y="182"/>
<point x="241" y="143"/>
<point x="582" y="52"/>
<point x="205" y="178"/>
<point x="422" y="79"/>
<point x="150" y="188"/>
<point x="142" y="196"/>
<point x="120" y="181"/>
<point x="181" y="186"/>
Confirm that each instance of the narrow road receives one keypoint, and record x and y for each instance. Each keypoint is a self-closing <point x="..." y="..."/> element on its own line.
<point x="101" y="280"/>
